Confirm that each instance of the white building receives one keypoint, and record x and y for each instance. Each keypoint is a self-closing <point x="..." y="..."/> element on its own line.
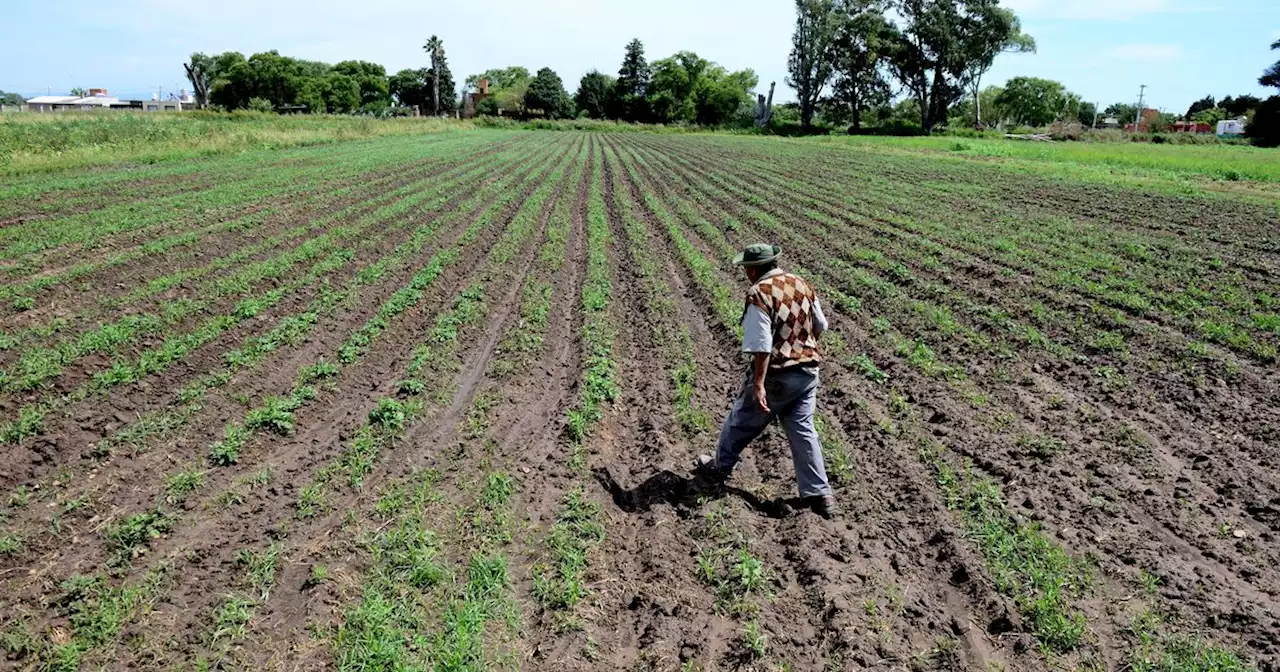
<point x="61" y="103"/>
<point x="101" y="101"/>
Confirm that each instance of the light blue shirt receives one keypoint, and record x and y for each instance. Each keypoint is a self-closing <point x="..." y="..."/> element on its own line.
<point x="757" y="327"/>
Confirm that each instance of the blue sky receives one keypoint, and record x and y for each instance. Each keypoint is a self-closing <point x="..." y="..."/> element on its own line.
<point x="1101" y="49"/>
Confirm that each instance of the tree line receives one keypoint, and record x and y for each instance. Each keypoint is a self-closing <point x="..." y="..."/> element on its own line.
<point x="850" y="59"/>
<point x="683" y="88"/>
<point x="853" y="58"/>
<point x="269" y="81"/>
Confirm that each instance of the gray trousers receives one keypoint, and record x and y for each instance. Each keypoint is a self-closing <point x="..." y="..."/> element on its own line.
<point x="792" y="394"/>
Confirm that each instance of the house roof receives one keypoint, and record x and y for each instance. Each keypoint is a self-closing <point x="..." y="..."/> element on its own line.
<point x="73" y="100"/>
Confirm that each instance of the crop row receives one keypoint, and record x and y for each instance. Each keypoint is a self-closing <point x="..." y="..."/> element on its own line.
<point x="412" y="573"/>
<point x="222" y="200"/>
<point x="1039" y="595"/>
<point x="1109" y="267"/>
<point x="43" y="364"/>
<point x="1057" y="610"/>
<point x="276" y="414"/>
<point x="393" y="415"/>
<point x="363" y="193"/>
<point x="52" y="195"/>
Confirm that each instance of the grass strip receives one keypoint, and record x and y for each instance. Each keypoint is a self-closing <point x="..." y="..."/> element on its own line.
<point x="1023" y="562"/>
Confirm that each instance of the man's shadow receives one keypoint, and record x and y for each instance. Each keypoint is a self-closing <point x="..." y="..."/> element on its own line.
<point x="687" y="491"/>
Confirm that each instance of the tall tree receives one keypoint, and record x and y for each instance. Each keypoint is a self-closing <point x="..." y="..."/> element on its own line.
<point x="435" y="47"/>
<point x="593" y="94"/>
<point x="1032" y="101"/>
<point x="861" y="44"/>
<point x="989" y="30"/>
<point x="201" y="73"/>
<point x="1206" y="103"/>
<point x="1271" y="77"/>
<point x="546" y="92"/>
<point x="813" y="52"/>
<point x="79" y="91"/>
<point x="1264" y="127"/>
<point x="1086" y="113"/>
<point x="410" y="87"/>
<point x="1124" y="113"/>
<point x="688" y="88"/>
<point x="632" y="87"/>
<point x="942" y="45"/>
<point x="1240" y="105"/>
<point x="371" y="78"/>
<point x="671" y="91"/>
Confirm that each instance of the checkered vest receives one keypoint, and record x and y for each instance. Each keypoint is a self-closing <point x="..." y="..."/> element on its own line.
<point x="788" y="301"/>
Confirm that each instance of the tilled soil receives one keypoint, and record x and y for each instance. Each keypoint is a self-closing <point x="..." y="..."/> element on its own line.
<point x="1153" y="469"/>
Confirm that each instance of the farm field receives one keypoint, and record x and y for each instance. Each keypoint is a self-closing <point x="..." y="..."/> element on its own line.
<point x="432" y="402"/>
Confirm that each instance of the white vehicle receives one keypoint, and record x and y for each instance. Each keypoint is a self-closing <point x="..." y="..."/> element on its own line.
<point x="1231" y="127"/>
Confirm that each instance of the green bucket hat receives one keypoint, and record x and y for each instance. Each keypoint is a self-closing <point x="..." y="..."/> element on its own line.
<point x="757" y="255"/>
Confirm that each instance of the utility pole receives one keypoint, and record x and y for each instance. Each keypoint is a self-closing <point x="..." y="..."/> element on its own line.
<point x="1097" y="108"/>
<point x="1142" y="89"/>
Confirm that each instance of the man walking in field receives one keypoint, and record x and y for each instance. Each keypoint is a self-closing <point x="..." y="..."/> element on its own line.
<point x="781" y="322"/>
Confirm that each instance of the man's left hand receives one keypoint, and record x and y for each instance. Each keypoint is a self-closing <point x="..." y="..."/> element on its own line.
<point x="761" y="399"/>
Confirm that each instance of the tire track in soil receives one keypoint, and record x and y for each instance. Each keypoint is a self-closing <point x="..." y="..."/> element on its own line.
<point x="1076" y="529"/>
<point x="81" y="425"/>
<point x="824" y="561"/>
<point x="217" y="540"/>
<point x="149" y="465"/>
<point x="295" y="604"/>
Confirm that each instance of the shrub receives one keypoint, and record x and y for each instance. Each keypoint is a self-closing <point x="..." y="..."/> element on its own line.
<point x="275" y="414"/>
<point x="261" y="105"/>
<point x="389" y="415"/>
<point x="1264" y="128"/>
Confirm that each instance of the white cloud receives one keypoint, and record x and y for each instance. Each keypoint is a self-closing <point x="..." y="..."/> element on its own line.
<point x="1147" y="53"/>
<point x="1106" y="10"/>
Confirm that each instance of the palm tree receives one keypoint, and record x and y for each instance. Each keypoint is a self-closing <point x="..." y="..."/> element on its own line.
<point x="435" y="47"/>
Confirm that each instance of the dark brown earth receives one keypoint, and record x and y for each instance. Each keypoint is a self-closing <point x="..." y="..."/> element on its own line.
<point x="1166" y="465"/>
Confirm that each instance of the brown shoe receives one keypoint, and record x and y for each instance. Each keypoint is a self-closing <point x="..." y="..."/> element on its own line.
<point x="826" y="507"/>
<point x="706" y="467"/>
